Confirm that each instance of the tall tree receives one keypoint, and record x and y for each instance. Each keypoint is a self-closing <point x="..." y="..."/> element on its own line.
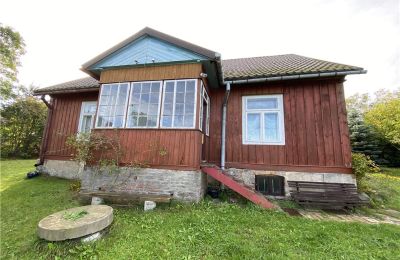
<point x="12" y="47"/>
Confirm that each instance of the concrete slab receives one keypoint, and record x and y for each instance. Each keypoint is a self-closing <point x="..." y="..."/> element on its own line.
<point x="56" y="228"/>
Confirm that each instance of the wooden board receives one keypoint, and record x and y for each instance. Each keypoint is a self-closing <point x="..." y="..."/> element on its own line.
<point x="316" y="131"/>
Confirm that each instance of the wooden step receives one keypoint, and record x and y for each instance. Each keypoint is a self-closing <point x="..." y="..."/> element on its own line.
<point x="246" y="192"/>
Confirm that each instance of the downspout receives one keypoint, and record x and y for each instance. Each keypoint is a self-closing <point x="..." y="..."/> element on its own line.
<point x="223" y="129"/>
<point x="43" y="146"/>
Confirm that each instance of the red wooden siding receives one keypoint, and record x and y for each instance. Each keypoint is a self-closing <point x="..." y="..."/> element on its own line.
<point x="64" y="122"/>
<point x="316" y="131"/>
<point x="182" y="147"/>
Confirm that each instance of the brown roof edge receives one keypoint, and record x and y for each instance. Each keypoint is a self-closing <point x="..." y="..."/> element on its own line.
<point x="65" y="91"/>
<point x="151" y="32"/>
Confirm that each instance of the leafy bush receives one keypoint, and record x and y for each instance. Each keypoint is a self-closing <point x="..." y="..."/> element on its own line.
<point x="21" y="127"/>
<point x="362" y="165"/>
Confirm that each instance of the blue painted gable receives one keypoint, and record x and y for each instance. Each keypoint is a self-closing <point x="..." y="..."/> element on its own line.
<point x="144" y="50"/>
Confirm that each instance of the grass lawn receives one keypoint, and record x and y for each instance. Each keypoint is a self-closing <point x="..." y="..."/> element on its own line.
<point x="205" y="230"/>
<point x="384" y="188"/>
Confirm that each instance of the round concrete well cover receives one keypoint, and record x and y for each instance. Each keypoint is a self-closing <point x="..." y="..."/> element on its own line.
<point x="58" y="227"/>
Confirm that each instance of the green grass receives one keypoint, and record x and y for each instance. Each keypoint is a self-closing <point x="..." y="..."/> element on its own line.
<point x="384" y="188"/>
<point x="206" y="230"/>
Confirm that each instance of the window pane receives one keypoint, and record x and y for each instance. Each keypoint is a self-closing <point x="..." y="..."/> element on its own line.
<point x="180" y="97"/>
<point x="106" y="90"/>
<point x="137" y="87"/>
<point x="146" y="87"/>
<point x="189" y="108"/>
<point x="142" y="121"/>
<point x="262" y="103"/>
<point x="113" y="105"/>
<point x="189" y="97"/>
<point x="188" y="121"/>
<point x="154" y="98"/>
<point x="155" y="87"/>
<point x="144" y="98"/>
<point x="179" y="109"/>
<point x="152" y="121"/>
<point x="153" y="109"/>
<point x="166" y="121"/>
<point x="132" y="121"/>
<point x="271" y="126"/>
<point x="180" y="86"/>
<point x="143" y="108"/>
<point x="169" y="87"/>
<point x="190" y="86"/>
<point x="178" y="121"/>
<point x="118" y="121"/>
<point x="120" y="111"/>
<point x="168" y="109"/>
<point x="169" y="98"/>
<point x="253" y="127"/>
<point x="178" y="106"/>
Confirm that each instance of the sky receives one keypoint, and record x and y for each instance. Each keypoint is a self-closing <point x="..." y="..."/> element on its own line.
<point x="62" y="35"/>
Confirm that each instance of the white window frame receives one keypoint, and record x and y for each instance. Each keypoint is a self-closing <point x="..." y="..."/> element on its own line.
<point x="126" y="104"/>
<point x="82" y="114"/>
<point x="159" y="105"/>
<point x="173" y="107"/>
<point x="204" y="97"/>
<point x="281" y="123"/>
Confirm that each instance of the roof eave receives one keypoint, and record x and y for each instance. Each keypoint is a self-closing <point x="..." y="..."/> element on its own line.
<point x="293" y="77"/>
<point x="65" y="91"/>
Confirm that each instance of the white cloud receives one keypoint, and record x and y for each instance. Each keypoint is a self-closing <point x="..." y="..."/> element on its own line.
<point x="62" y="35"/>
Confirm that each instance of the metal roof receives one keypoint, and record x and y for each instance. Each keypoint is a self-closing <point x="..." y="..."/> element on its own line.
<point x="279" y="65"/>
<point x="241" y="69"/>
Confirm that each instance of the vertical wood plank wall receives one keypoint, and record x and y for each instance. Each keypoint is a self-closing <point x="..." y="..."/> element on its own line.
<point x="64" y="122"/>
<point x="316" y="131"/>
<point x="182" y="147"/>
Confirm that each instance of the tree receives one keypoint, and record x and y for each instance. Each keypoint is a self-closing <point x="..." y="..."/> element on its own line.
<point x="384" y="116"/>
<point x="22" y="124"/>
<point x="12" y="47"/>
<point x="363" y="137"/>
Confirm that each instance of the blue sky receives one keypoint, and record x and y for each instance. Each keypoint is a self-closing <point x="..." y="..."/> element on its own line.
<point x="62" y="35"/>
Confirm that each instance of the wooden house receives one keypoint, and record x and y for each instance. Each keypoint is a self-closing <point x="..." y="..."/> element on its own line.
<point x="262" y="120"/>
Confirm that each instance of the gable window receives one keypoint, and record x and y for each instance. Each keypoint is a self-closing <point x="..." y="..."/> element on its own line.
<point x="204" y="119"/>
<point x="112" y="105"/>
<point x="144" y="105"/>
<point x="86" y="118"/>
<point x="263" y="120"/>
<point x="179" y="104"/>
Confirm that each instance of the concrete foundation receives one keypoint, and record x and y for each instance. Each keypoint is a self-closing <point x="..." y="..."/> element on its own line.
<point x="187" y="186"/>
<point x="62" y="169"/>
<point x="248" y="177"/>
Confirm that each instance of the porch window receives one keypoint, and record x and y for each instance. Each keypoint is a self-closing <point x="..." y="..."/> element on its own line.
<point x="86" y="118"/>
<point x="204" y="119"/>
<point x="263" y="120"/>
<point x="179" y="104"/>
<point x="144" y="105"/>
<point x="112" y="106"/>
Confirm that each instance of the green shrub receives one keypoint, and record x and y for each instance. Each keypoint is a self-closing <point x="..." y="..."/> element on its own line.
<point x="362" y="165"/>
<point x="75" y="186"/>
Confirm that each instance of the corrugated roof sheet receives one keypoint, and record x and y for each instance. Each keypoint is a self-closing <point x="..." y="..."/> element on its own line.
<point x="237" y="69"/>
<point x="278" y="65"/>
<point x="70" y="86"/>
